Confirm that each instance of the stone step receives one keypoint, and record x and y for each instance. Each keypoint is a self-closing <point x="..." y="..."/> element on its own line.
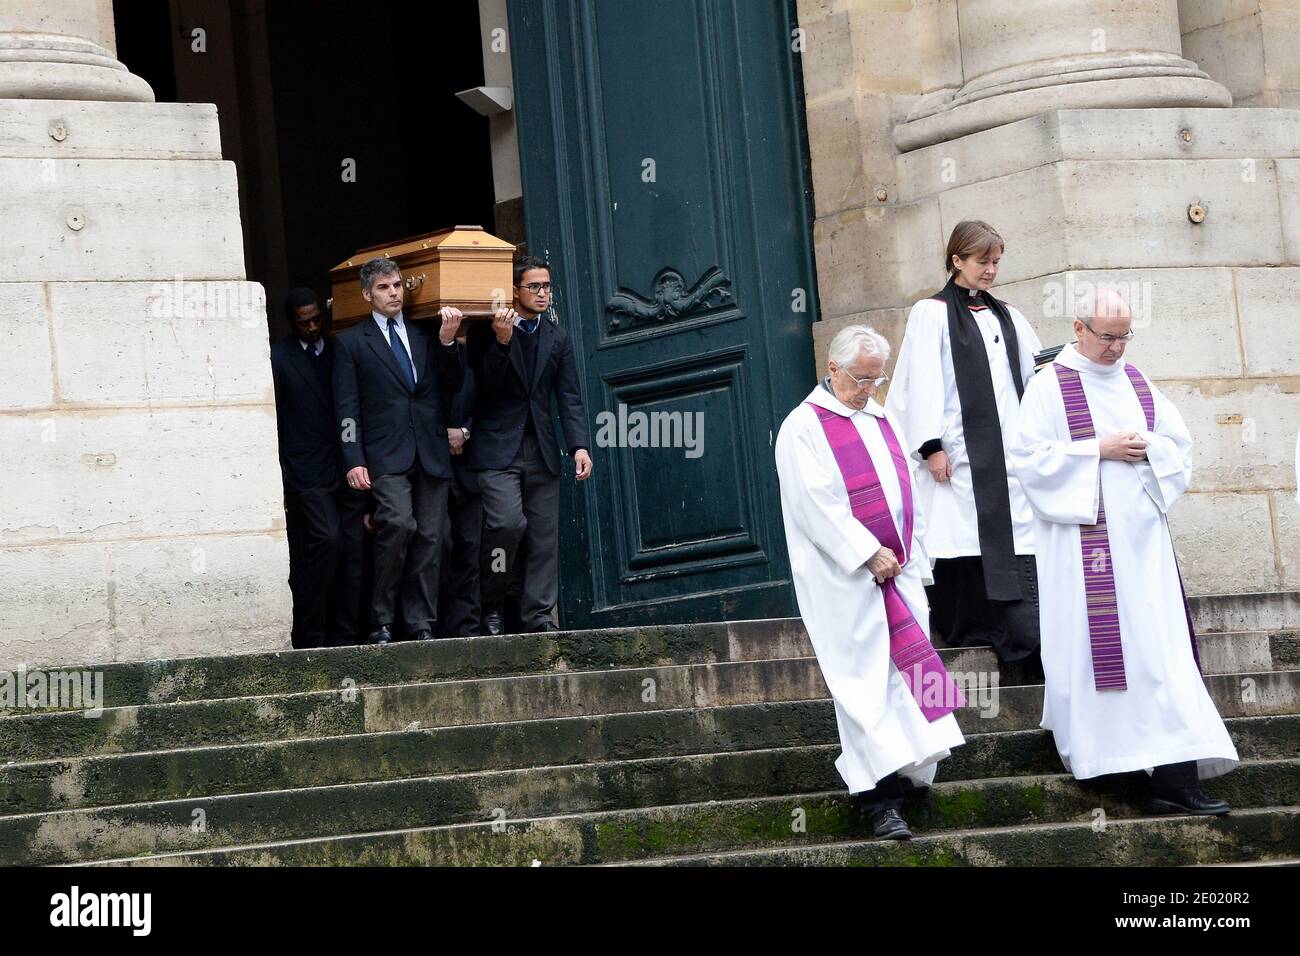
<point x="530" y="697"/>
<point x="1257" y="834"/>
<point x="1251" y="611"/>
<point x="298" y="671"/>
<point x="290" y="672"/>
<point x="202" y="821"/>
<point x="775" y="823"/>
<point x="106" y="780"/>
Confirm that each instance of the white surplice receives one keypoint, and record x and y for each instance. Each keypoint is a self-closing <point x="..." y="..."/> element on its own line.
<point x="1165" y="715"/>
<point x="881" y="727"/>
<point x="923" y="397"/>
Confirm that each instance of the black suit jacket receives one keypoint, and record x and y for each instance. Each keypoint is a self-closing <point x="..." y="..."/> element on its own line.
<point x="460" y="414"/>
<point x="391" y="425"/>
<point x="505" y="396"/>
<point x="304" y="417"/>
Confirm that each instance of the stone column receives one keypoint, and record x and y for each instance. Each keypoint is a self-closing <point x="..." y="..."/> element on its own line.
<point x="1250" y="46"/>
<point x="1021" y="59"/>
<point x="142" y="513"/>
<point x="63" y="50"/>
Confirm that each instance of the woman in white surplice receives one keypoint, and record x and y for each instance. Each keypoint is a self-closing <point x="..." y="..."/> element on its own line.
<point x="837" y="564"/>
<point x="965" y="359"/>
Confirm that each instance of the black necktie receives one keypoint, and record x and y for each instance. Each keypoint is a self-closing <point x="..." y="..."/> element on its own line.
<point x="399" y="350"/>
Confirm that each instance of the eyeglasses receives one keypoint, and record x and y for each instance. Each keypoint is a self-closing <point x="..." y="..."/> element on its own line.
<point x="1107" y="338"/>
<point x="864" y="382"/>
<point x="536" y="287"/>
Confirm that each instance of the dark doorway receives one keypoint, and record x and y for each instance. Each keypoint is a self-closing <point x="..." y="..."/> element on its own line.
<point x="303" y="87"/>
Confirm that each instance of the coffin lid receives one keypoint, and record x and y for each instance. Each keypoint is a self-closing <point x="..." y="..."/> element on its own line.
<point x="451" y="239"/>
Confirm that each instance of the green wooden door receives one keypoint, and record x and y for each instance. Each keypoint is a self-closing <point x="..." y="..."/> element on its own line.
<point x="664" y="178"/>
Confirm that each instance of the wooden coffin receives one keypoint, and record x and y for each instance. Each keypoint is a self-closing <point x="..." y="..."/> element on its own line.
<point x="462" y="266"/>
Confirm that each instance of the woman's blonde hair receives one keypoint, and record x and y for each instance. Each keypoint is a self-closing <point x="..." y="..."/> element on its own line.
<point x="972" y="237"/>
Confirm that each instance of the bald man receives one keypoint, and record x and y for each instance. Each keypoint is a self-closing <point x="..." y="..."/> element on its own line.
<point x="1102" y="456"/>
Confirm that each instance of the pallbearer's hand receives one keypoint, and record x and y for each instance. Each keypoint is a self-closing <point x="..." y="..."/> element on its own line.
<point x="582" y="462"/>
<point x="939" y="465"/>
<point x="451" y="319"/>
<point x="884" y="565"/>
<point x="503" y="325"/>
<point x="359" y="478"/>
<point x="1123" y="446"/>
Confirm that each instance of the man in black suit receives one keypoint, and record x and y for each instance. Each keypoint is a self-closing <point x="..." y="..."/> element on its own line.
<point x="391" y="378"/>
<point x="323" y="518"/>
<point x="521" y="362"/>
<point x="459" y="609"/>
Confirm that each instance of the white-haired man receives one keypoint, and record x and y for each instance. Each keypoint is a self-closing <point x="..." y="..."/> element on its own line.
<point x="1102" y="455"/>
<point x="854" y="533"/>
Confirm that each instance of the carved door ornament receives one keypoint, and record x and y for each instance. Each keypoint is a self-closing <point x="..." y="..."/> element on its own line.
<point x="671" y="299"/>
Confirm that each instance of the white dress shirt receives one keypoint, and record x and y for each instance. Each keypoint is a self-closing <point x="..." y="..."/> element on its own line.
<point x="382" y="322"/>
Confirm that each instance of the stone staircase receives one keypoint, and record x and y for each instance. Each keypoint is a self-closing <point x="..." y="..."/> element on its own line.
<point x="697" y="744"/>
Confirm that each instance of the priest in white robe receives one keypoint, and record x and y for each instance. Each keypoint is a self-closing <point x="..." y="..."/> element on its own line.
<point x="853" y="532"/>
<point x="1102" y="456"/>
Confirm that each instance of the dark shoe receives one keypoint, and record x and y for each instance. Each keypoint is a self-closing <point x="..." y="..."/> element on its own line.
<point x="380" y="635"/>
<point x="889" y="825"/>
<point x="1187" y="800"/>
<point x="544" y="628"/>
<point x="493" y="622"/>
<point x="423" y="634"/>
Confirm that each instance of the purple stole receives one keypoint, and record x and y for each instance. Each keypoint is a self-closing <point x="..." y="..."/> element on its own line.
<point x="1094" y="542"/>
<point x="909" y="646"/>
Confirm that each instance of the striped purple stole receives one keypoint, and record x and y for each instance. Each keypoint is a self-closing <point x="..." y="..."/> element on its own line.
<point x="909" y="646"/>
<point x="1094" y="541"/>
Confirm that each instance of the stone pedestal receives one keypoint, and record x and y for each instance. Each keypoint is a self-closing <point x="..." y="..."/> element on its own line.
<point x="142" y="515"/>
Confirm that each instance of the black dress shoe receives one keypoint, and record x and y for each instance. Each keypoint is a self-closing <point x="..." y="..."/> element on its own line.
<point x="544" y="628"/>
<point x="1187" y="800"/>
<point x="889" y="825"/>
<point x="423" y="634"/>
<point x="381" y="635"/>
<point x="493" y="623"/>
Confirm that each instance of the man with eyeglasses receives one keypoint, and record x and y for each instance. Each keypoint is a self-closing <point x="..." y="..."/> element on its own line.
<point x="522" y="363"/>
<point x="853" y="526"/>
<point x="1102" y="455"/>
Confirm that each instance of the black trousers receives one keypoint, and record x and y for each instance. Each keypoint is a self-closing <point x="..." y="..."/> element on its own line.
<point x="521" y="504"/>
<point x="963" y="616"/>
<point x="325" y="532"/>
<point x="1174" y="777"/>
<point x="410" y="521"/>
<point x="887" y="795"/>
<point x="459" y="607"/>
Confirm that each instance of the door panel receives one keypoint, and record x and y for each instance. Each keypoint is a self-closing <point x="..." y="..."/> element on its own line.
<point x="664" y="179"/>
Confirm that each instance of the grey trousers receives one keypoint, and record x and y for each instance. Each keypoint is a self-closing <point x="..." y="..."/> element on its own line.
<point x="521" y="504"/>
<point x="410" y="521"/>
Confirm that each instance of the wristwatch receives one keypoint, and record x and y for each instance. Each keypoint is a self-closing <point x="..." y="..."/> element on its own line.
<point x="464" y="431"/>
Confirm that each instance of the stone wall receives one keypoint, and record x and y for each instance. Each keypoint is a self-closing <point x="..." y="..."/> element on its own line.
<point x="142" y="514"/>
<point x="1083" y="196"/>
<point x="1250" y="46"/>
